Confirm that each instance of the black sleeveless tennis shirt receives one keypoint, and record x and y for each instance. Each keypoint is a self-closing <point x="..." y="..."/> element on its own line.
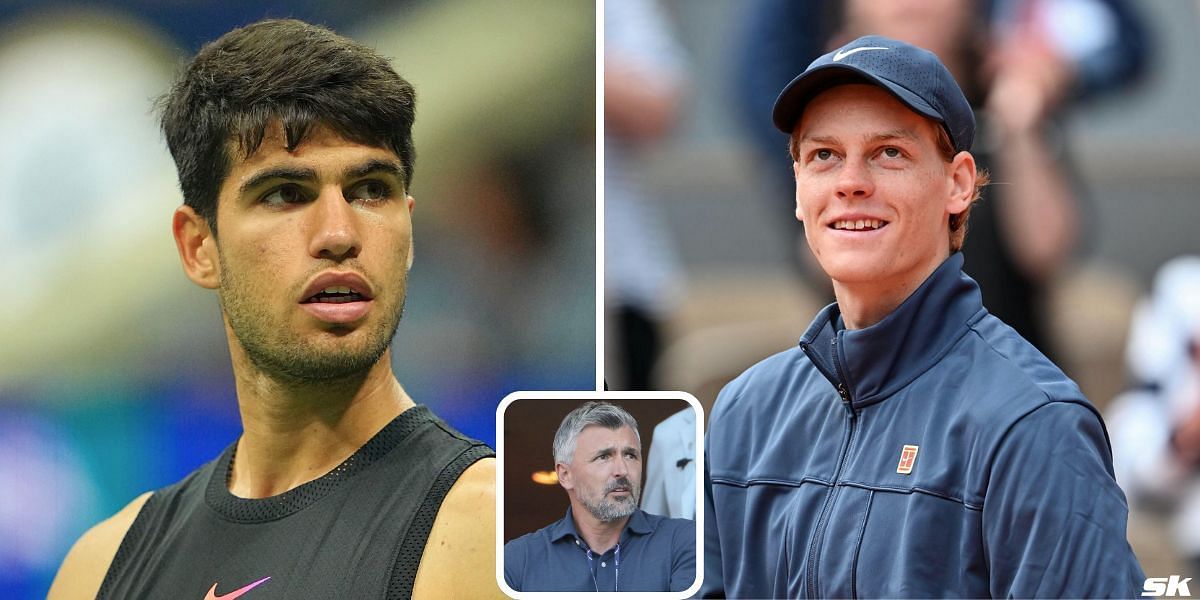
<point x="357" y="532"/>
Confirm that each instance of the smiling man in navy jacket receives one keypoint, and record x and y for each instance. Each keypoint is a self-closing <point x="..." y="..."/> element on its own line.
<point x="912" y="444"/>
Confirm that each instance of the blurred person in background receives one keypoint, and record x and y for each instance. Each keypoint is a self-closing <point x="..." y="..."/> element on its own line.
<point x="605" y="542"/>
<point x="671" y="467"/>
<point x="295" y="156"/>
<point x="1023" y="64"/>
<point x="644" y="80"/>
<point x="901" y="450"/>
<point x="1155" y="425"/>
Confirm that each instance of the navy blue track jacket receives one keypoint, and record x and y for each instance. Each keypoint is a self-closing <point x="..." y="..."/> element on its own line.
<point x="935" y="453"/>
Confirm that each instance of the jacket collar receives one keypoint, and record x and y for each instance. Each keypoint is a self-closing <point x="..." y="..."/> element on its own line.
<point x="638" y="524"/>
<point x="877" y="361"/>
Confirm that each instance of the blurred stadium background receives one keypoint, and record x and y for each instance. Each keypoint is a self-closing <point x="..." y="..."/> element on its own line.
<point x="114" y="371"/>
<point x="741" y="298"/>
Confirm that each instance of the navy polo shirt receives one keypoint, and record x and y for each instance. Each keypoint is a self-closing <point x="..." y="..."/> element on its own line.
<point x="654" y="554"/>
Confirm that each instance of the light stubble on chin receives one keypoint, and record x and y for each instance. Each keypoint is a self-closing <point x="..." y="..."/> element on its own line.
<point x="277" y="351"/>
<point x="606" y="510"/>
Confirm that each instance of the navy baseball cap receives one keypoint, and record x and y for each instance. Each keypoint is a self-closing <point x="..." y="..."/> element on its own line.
<point x="913" y="75"/>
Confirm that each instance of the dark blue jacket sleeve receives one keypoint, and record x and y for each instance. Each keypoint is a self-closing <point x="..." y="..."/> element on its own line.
<point x="1054" y="519"/>
<point x="714" y="583"/>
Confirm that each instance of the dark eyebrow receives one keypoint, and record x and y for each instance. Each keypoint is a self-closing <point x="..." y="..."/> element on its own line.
<point x="373" y="166"/>
<point x="611" y="449"/>
<point x="289" y="173"/>
<point x="369" y="167"/>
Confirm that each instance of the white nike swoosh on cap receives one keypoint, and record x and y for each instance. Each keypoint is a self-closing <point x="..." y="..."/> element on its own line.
<point x="844" y="53"/>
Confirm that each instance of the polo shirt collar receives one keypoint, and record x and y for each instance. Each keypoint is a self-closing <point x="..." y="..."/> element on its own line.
<point x="564" y="527"/>
<point x="638" y="524"/>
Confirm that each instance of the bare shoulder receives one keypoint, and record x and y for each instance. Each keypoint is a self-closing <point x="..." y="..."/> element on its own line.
<point x="460" y="555"/>
<point x="83" y="569"/>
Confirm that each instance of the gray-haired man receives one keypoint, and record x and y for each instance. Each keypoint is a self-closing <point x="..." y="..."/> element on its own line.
<point x="605" y="542"/>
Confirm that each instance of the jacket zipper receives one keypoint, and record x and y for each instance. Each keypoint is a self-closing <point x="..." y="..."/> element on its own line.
<point x="814" y="559"/>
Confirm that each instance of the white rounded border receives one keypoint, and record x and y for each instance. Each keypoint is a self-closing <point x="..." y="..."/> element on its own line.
<point x="607" y="396"/>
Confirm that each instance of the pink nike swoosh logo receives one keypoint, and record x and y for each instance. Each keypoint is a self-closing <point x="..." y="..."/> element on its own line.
<point x="212" y="592"/>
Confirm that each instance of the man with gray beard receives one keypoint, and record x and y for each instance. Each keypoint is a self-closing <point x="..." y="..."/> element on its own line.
<point x="605" y="543"/>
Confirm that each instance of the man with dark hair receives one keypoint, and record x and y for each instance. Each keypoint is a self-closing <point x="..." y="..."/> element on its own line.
<point x="605" y="543"/>
<point x="911" y="445"/>
<point x="294" y="151"/>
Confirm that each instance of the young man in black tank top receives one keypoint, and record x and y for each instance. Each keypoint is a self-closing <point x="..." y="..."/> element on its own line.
<point x="295" y="155"/>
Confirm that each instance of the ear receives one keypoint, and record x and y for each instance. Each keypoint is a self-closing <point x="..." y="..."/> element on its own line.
<point x="197" y="247"/>
<point x="962" y="183"/>
<point x="411" y="204"/>
<point x="796" y="178"/>
<point x="564" y="476"/>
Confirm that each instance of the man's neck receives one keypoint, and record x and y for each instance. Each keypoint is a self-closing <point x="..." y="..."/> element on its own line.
<point x="599" y="535"/>
<point x="863" y="304"/>
<point x="295" y="432"/>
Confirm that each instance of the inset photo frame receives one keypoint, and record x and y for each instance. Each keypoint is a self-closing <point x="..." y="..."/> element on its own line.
<point x="599" y="492"/>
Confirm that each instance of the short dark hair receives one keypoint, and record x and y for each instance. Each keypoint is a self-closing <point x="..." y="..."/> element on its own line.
<point x="287" y="71"/>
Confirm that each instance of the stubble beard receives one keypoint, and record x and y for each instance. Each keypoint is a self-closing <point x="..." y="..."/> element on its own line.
<point x="606" y="510"/>
<point x="277" y="351"/>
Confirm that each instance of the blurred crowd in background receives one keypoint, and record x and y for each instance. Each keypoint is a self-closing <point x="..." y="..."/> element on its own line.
<point x="114" y="370"/>
<point x="1087" y="125"/>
